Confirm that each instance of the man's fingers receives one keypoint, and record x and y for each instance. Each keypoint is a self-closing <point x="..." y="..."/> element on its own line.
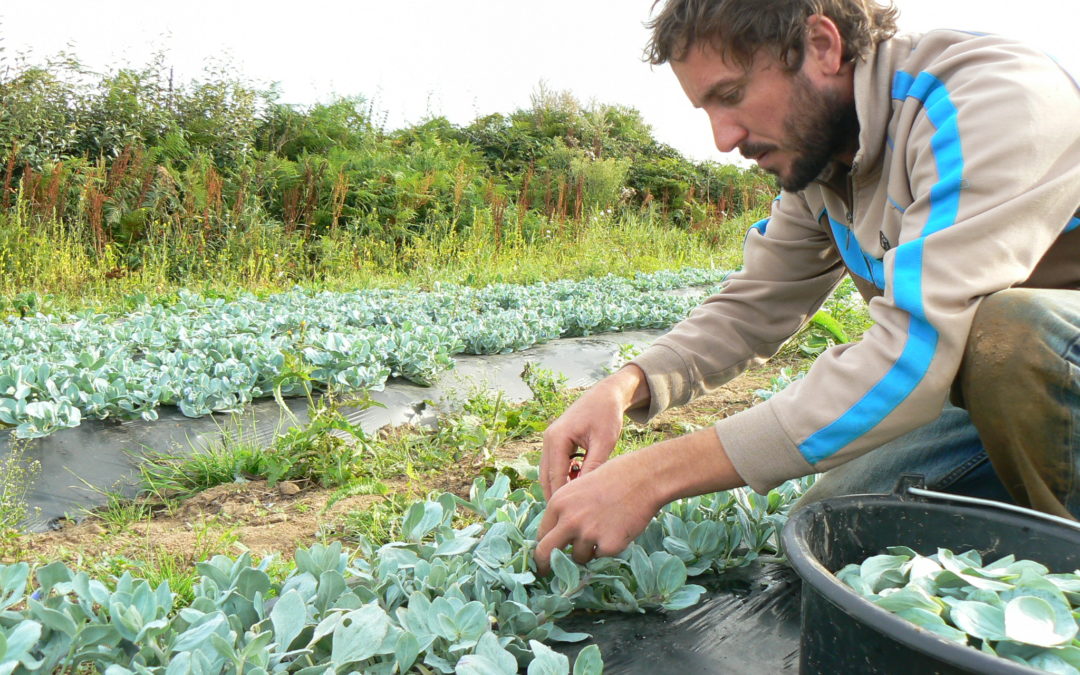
<point x="555" y="465"/>
<point x="591" y="463"/>
<point x="542" y="556"/>
<point x="546" y="523"/>
<point x="609" y="550"/>
<point x="584" y="551"/>
<point x="545" y="544"/>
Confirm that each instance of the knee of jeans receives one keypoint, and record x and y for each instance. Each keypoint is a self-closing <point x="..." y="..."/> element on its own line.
<point x="1008" y="339"/>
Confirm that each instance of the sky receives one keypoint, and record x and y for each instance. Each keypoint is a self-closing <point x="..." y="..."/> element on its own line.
<point x="456" y="58"/>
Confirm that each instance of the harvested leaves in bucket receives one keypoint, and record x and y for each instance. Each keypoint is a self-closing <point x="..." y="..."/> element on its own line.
<point x="1014" y="609"/>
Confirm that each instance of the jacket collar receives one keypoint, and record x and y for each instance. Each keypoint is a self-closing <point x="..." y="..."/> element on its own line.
<point x="873" y="100"/>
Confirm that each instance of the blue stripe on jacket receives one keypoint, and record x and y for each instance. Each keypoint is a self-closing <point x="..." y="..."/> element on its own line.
<point x="762" y="224"/>
<point x="858" y="261"/>
<point x="922" y="338"/>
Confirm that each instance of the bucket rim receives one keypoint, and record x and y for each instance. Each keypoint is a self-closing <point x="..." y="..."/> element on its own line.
<point x="822" y="581"/>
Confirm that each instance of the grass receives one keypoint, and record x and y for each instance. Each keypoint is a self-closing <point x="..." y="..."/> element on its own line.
<point x="157" y="565"/>
<point x="314" y="454"/>
<point x="376" y="525"/>
<point x="46" y="267"/>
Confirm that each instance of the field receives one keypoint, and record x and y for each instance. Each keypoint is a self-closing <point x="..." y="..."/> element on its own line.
<point x="212" y="246"/>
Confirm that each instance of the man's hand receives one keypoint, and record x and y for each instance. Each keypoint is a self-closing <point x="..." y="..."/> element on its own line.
<point x="601" y="513"/>
<point x="593" y="423"/>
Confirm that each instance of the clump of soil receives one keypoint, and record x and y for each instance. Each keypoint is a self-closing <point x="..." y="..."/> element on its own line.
<point x="253" y="516"/>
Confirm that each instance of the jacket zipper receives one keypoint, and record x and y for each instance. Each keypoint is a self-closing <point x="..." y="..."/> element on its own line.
<point x="851" y="195"/>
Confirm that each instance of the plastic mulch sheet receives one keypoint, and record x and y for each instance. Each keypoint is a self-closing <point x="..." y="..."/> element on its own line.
<point x="748" y="622"/>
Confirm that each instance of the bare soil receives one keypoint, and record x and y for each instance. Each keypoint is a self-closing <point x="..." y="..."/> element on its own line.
<point x="255" y="517"/>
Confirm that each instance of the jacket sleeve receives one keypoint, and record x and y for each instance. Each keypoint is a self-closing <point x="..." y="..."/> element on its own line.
<point x="789" y="268"/>
<point x="991" y="147"/>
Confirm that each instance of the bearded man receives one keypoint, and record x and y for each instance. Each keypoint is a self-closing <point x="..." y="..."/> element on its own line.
<point x="941" y="172"/>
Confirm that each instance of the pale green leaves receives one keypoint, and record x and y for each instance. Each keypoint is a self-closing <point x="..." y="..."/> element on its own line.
<point x="489" y="659"/>
<point x="547" y="661"/>
<point x="13" y="580"/>
<point x="16" y="644"/>
<point x="1034" y="621"/>
<point x="360" y="635"/>
<point x="288" y="617"/>
<point x="444" y="600"/>
<point x="589" y="661"/>
<point x="204" y="355"/>
<point x="979" y="620"/>
<point x="566" y="572"/>
<point x="1012" y="608"/>
<point x="882" y="571"/>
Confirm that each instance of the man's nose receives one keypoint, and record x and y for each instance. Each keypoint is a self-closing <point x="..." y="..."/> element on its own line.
<point x="727" y="132"/>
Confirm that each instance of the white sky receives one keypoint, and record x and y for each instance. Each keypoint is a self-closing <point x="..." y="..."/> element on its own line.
<point x="458" y="58"/>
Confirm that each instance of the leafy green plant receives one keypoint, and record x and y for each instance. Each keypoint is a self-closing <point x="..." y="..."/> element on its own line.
<point x="1011" y="608"/>
<point x="441" y="599"/>
<point x="779" y="382"/>
<point x="126" y="181"/>
<point x="206" y="355"/>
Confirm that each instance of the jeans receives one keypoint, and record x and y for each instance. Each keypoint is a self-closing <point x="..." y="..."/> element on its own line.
<point x="1014" y="435"/>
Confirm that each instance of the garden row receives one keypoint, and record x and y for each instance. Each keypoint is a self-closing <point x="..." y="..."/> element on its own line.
<point x="450" y="597"/>
<point x="207" y="355"/>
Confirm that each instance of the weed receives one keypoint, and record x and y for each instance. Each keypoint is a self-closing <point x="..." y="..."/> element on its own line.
<point x="779" y="382"/>
<point x="173" y="478"/>
<point x="119" y="512"/>
<point x="368" y="486"/>
<point x="843" y="318"/>
<point x="17" y="475"/>
<point x="627" y="353"/>
<point x="376" y="525"/>
<point x="315" y="453"/>
<point x="550" y="397"/>
<point x="157" y="564"/>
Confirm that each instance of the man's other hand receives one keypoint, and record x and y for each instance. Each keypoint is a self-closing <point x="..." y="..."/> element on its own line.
<point x="601" y="513"/>
<point x="593" y="424"/>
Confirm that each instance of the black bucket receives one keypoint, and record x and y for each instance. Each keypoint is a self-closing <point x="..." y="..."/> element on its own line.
<point x="844" y="633"/>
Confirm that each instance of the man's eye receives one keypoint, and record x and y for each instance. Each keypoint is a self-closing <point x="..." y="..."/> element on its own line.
<point x="729" y="97"/>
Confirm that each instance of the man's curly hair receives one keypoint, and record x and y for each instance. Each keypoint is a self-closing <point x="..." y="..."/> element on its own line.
<point x="740" y="28"/>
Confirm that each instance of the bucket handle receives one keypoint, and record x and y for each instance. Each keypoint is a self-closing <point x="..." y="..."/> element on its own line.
<point x="912" y="484"/>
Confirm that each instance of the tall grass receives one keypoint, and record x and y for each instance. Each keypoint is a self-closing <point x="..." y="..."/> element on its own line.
<point x="58" y="266"/>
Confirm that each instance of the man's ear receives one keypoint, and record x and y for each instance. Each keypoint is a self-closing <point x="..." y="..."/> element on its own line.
<point x="823" y="46"/>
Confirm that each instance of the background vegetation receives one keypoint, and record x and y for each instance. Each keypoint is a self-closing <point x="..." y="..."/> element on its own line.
<point x="127" y="181"/>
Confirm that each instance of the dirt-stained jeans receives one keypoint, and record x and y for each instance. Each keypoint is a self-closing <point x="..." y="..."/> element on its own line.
<point x="1016" y="435"/>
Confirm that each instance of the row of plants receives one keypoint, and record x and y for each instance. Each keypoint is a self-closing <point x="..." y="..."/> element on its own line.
<point x="453" y="595"/>
<point x="1014" y="609"/>
<point x="207" y="355"/>
<point x="473" y="552"/>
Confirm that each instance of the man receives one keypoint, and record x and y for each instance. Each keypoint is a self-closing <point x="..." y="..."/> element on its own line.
<point x="942" y="173"/>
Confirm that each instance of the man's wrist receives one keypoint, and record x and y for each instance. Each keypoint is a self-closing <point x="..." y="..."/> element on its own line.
<point x="630" y="386"/>
<point x="690" y="465"/>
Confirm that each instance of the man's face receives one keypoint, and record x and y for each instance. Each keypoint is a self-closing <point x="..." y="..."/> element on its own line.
<point x="790" y="124"/>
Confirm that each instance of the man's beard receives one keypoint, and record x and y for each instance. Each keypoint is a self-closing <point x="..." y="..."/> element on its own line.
<point x="820" y="126"/>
